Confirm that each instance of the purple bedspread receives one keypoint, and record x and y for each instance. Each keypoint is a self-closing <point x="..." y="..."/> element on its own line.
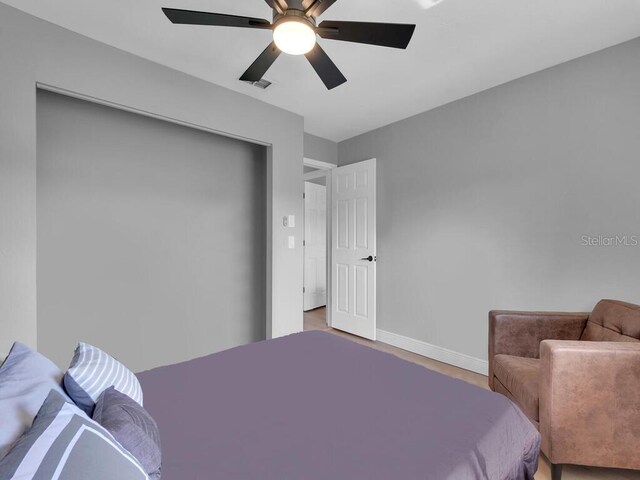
<point x="314" y="406"/>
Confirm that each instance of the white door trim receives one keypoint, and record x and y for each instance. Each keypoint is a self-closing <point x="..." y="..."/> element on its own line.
<point x="324" y="170"/>
<point x="319" y="164"/>
<point x="329" y="239"/>
<point x="315" y="246"/>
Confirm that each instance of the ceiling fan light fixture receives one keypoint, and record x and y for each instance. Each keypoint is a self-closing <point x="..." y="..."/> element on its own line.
<point x="295" y="29"/>
<point x="294" y="36"/>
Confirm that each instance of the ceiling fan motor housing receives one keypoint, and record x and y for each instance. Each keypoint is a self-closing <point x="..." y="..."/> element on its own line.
<point x="292" y="14"/>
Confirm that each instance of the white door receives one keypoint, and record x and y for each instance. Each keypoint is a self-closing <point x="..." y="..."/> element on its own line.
<point x="315" y="246"/>
<point x="353" y="249"/>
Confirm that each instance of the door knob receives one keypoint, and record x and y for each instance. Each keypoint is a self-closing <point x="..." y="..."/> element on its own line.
<point x="370" y="258"/>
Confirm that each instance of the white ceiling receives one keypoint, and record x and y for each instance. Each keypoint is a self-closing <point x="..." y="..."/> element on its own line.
<point x="460" y="47"/>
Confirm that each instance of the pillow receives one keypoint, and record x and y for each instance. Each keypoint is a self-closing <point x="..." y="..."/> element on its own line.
<point x="92" y="371"/>
<point x="64" y="444"/>
<point x="132" y="426"/>
<point x="26" y="378"/>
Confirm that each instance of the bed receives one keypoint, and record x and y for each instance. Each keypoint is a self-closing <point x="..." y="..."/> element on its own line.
<point x="315" y="406"/>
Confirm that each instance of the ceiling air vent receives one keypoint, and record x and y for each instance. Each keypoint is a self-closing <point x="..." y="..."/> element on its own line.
<point x="262" y="83"/>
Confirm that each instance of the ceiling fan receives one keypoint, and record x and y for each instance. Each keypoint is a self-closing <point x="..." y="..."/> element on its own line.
<point x="294" y="32"/>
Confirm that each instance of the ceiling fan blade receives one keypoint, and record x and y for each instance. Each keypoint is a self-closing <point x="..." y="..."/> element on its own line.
<point x="191" y="17"/>
<point x="278" y="5"/>
<point x="318" y="7"/>
<point x="261" y="64"/>
<point x="325" y="68"/>
<point x="396" y="35"/>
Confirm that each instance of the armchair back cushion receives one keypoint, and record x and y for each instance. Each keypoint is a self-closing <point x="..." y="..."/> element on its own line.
<point x="613" y="321"/>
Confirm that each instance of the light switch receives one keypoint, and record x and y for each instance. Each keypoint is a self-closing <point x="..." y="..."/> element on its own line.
<point x="292" y="241"/>
<point x="289" y="221"/>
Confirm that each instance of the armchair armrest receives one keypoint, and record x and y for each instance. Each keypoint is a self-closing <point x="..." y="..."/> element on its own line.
<point x="520" y="333"/>
<point x="589" y="403"/>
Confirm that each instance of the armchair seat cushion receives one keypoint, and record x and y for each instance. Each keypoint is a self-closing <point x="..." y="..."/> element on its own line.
<point x="520" y="377"/>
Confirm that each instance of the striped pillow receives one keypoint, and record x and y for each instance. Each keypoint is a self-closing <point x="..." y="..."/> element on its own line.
<point x="92" y="371"/>
<point x="64" y="444"/>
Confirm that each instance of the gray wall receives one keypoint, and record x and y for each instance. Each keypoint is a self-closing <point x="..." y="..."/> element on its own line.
<point x="482" y="203"/>
<point x="318" y="148"/>
<point x="151" y="236"/>
<point x="32" y="51"/>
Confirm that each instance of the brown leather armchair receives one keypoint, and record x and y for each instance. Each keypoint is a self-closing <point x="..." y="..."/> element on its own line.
<point x="577" y="378"/>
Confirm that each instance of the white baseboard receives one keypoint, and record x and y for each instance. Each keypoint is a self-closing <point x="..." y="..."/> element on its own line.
<point x="434" y="352"/>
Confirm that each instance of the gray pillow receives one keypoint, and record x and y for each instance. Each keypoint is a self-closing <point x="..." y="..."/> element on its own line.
<point x="26" y="378"/>
<point x="63" y="443"/>
<point x="132" y="426"/>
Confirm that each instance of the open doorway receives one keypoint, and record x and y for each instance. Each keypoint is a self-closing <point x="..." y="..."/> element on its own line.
<point x="341" y="271"/>
<point x="315" y="279"/>
<point x="315" y="244"/>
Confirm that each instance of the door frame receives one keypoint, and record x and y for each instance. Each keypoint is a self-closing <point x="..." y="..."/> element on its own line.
<point x="273" y="330"/>
<point x="305" y="244"/>
<point x="324" y="170"/>
<point x="319" y="164"/>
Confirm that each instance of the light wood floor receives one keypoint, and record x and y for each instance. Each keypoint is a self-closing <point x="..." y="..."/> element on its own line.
<point x="315" y="320"/>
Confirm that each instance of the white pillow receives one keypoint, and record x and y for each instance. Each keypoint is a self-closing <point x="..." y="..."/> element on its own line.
<point x="26" y="378"/>
<point x="92" y="371"/>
